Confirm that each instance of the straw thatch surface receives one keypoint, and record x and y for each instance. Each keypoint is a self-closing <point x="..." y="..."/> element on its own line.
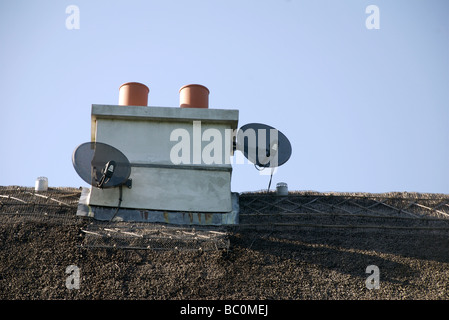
<point x="305" y="246"/>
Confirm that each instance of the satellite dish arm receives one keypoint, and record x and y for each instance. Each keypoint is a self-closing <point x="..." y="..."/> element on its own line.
<point x="107" y="172"/>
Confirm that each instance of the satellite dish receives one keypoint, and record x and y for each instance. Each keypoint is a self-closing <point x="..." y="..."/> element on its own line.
<point x="263" y="145"/>
<point x="101" y="165"/>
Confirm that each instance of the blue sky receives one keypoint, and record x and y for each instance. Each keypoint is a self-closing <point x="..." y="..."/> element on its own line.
<point x="366" y="110"/>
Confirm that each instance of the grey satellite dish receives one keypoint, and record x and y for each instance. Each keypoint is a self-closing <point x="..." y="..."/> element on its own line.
<point x="101" y="165"/>
<point x="263" y="145"/>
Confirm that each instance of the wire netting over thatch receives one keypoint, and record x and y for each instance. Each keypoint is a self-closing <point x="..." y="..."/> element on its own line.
<point x="352" y="210"/>
<point x="396" y="210"/>
<point x="55" y="204"/>
<point x="59" y="205"/>
<point x="154" y="236"/>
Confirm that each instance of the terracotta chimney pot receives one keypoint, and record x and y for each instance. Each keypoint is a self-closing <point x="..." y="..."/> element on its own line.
<point x="133" y="94"/>
<point x="194" y="96"/>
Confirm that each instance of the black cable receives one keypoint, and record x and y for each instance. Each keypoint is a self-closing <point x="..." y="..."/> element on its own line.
<point x="271" y="177"/>
<point x="119" y="204"/>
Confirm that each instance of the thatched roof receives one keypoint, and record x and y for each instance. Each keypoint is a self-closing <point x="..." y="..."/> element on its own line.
<point x="307" y="245"/>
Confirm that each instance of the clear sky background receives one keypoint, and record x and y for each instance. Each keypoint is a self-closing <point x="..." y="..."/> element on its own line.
<point x="366" y="110"/>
